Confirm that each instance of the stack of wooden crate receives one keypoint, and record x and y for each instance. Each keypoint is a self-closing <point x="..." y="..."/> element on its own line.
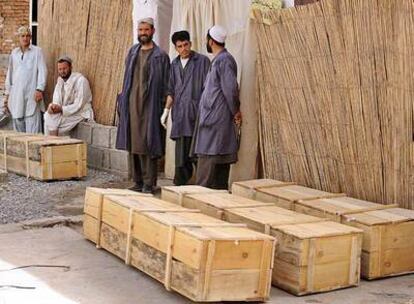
<point x="388" y="231"/>
<point x="200" y="257"/>
<point x="42" y="157"/>
<point x="308" y="247"/>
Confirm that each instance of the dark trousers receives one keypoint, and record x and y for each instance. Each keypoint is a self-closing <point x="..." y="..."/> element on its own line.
<point x="144" y="169"/>
<point x="183" y="161"/>
<point x="211" y="174"/>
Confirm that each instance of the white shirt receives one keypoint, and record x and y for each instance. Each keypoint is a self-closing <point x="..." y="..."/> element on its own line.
<point x="74" y="95"/>
<point x="27" y="73"/>
<point x="184" y="62"/>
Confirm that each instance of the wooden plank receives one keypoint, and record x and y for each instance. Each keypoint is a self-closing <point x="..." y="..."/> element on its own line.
<point x="176" y="194"/>
<point x="215" y="204"/>
<point x="249" y="188"/>
<point x="335" y="208"/>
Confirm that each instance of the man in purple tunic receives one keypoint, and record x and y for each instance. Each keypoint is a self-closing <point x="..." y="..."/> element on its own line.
<point x="140" y="107"/>
<point x="216" y="138"/>
<point x="187" y="77"/>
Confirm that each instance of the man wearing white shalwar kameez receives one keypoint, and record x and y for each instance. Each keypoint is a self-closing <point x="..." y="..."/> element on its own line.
<point x="71" y="103"/>
<point x="25" y="84"/>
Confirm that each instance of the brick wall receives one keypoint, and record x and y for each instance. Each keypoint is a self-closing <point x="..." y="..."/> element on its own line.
<point x="13" y="14"/>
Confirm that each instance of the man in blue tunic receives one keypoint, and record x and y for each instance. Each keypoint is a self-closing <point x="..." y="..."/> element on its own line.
<point x="140" y="107"/>
<point x="187" y="77"/>
<point x="216" y="138"/>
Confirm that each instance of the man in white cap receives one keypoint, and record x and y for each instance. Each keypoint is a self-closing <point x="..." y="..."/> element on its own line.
<point x="187" y="77"/>
<point x="140" y="106"/>
<point x="72" y="100"/>
<point x="216" y="142"/>
<point x="25" y="84"/>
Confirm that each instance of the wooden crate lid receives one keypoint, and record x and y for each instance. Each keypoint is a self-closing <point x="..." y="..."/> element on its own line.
<point x="188" y="189"/>
<point x="183" y="218"/>
<point x="258" y="183"/>
<point x="295" y="192"/>
<point x="340" y="205"/>
<point x="381" y="217"/>
<point x="46" y="141"/>
<point x="112" y="191"/>
<point x="317" y="230"/>
<point x="226" y="233"/>
<point x="226" y="200"/>
<point x="274" y="216"/>
<point x="144" y="203"/>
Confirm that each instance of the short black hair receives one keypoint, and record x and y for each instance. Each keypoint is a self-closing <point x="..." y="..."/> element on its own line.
<point x="215" y="41"/>
<point x="64" y="60"/>
<point x="180" y="36"/>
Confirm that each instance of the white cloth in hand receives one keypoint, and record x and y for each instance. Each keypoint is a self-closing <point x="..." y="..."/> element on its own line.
<point x="164" y="117"/>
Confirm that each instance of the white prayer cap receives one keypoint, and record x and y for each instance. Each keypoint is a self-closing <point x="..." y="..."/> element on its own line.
<point x="218" y="33"/>
<point x="147" y="20"/>
<point x="65" y="58"/>
<point x="24" y="30"/>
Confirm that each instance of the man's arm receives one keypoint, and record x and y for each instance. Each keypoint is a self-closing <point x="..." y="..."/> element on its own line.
<point x="41" y="76"/>
<point x="82" y="96"/>
<point x="9" y="83"/>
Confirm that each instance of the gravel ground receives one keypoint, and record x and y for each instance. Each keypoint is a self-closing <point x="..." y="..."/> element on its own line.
<point x="22" y="199"/>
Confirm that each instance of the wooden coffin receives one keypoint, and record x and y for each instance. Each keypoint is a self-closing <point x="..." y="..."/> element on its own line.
<point x="94" y="198"/>
<point x="249" y="188"/>
<point x="388" y="245"/>
<point x="286" y="196"/>
<point x="200" y="257"/>
<point x="316" y="257"/>
<point x="177" y="194"/>
<point x="334" y="208"/>
<point x="42" y="157"/>
<point x="215" y="204"/>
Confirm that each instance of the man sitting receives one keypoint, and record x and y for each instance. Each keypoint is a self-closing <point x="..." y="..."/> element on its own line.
<point x="71" y="103"/>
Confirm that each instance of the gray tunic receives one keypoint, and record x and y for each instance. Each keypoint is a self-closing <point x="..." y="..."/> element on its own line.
<point x="216" y="133"/>
<point x="137" y="105"/>
<point x="185" y="86"/>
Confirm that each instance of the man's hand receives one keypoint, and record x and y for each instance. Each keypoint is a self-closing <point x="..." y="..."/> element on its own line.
<point x="54" y="108"/>
<point x="164" y="117"/>
<point x="238" y="118"/>
<point x="38" y="96"/>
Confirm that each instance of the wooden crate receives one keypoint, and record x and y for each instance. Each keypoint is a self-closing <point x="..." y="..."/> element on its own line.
<point x="249" y="188"/>
<point x="316" y="257"/>
<point x="200" y="257"/>
<point x="388" y="244"/>
<point x="42" y="157"/>
<point x="262" y="219"/>
<point x="93" y="208"/>
<point x="286" y="196"/>
<point x="176" y="194"/>
<point x="215" y="204"/>
<point x="334" y="208"/>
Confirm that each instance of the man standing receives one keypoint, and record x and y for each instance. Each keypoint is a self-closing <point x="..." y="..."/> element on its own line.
<point x="140" y="106"/>
<point x="187" y="77"/>
<point x="216" y="142"/>
<point x="25" y="84"/>
<point x="72" y="100"/>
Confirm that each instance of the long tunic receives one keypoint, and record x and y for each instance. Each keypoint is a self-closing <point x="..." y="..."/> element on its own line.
<point x="137" y="107"/>
<point x="186" y="86"/>
<point x="157" y="88"/>
<point x="75" y="97"/>
<point x="216" y="131"/>
<point x="27" y="72"/>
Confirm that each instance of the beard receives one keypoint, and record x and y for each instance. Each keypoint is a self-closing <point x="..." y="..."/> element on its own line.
<point x="65" y="76"/>
<point x="144" y="39"/>
<point x="209" y="49"/>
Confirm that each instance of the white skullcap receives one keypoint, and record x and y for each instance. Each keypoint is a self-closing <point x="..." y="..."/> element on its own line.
<point x="24" y="30"/>
<point x="147" y="20"/>
<point x="218" y="33"/>
<point x="65" y="58"/>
